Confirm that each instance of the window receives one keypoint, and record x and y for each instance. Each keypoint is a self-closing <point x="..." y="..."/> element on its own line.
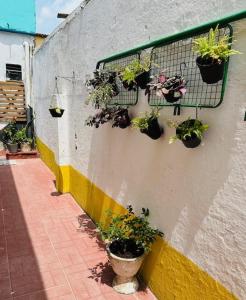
<point x="13" y="72"/>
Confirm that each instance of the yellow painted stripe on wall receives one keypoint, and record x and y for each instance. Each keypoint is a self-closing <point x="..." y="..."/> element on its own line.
<point x="169" y="274"/>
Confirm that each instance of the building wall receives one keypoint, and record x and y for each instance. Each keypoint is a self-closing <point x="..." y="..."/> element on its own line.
<point x="18" y="15"/>
<point x="12" y="51"/>
<point x="197" y="197"/>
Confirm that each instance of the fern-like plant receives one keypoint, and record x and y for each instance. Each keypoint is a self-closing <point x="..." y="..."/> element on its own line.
<point x="214" y="48"/>
<point x="145" y="119"/>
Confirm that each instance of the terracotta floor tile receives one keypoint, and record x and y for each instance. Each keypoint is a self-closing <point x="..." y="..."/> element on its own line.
<point x="53" y="248"/>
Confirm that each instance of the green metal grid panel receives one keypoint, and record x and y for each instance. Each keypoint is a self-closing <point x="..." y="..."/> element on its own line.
<point x="177" y="57"/>
<point x="125" y="97"/>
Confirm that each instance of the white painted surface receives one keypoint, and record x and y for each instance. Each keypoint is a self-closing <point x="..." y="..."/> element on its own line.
<point x="14" y="51"/>
<point x="197" y="197"/>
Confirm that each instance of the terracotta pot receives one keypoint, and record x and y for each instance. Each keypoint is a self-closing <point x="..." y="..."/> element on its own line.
<point x="26" y="147"/>
<point x="125" y="281"/>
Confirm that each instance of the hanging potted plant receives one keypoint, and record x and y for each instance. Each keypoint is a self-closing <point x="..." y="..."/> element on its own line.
<point x="190" y="132"/>
<point x="172" y="88"/>
<point x="102" y="88"/>
<point x="136" y="73"/>
<point x="148" y="124"/>
<point x="129" y="238"/>
<point x="213" y="52"/>
<point x="121" y="118"/>
<point x="55" y="108"/>
<point x="103" y="116"/>
<point x="118" y="115"/>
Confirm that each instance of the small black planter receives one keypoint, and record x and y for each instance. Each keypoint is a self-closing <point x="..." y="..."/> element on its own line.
<point x="142" y="80"/>
<point x="56" y="114"/>
<point x="124" y="122"/>
<point x="210" y="72"/>
<point x="171" y="98"/>
<point x="154" y="130"/>
<point x="12" y="148"/>
<point x="189" y="142"/>
<point x="128" y="86"/>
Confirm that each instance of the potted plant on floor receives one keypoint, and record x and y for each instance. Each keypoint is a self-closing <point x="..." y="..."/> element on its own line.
<point x="148" y="124"/>
<point x="22" y="139"/>
<point x="213" y="52"/>
<point x="129" y="237"/>
<point x="9" y="137"/>
<point x="190" y="132"/>
<point x="136" y="73"/>
<point x="172" y="88"/>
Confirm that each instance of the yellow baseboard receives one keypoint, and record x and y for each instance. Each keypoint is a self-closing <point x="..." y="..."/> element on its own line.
<point x="169" y="274"/>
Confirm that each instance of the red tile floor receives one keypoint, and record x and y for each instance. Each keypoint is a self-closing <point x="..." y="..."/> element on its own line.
<point x="45" y="253"/>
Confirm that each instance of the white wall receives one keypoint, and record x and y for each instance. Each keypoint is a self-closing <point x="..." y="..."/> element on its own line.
<point x="197" y="197"/>
<point x="13" y="52"/>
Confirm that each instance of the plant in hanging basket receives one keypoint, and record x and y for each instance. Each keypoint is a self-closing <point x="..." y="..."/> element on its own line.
<point x="118" y="115"/>
<point x="56" y="112"/>
<point x="172" y="88"/>
<point x="129" y="237"/>
<point x="148" y="124"/>
<point x="102" y="88"/>
<point x="190" y="132"/>
<point x="103" y="116"/>
<point x="121" y="118"/>
<point x="213" y="52"/>
<point x="136" y="73"/>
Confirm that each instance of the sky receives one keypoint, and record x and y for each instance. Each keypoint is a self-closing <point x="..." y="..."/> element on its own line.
<point x="47" y="10"/>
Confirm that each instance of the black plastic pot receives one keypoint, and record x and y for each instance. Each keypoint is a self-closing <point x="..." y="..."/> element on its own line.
<point x="128" y="86"/>
<point x="142" y="80"/>
<point x="189" y="142"/>
<point x="210" y="72"/>
<point x="154" y="130"/>
<point x="12" y="148"/>
<point x="171" y="98"/>
<point x="124" y="122"/>
<point x="56" y="114"/>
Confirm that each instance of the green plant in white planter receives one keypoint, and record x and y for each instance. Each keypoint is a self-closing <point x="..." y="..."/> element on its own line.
<point x="129" y="237"/>
<point x="213" y="52"/>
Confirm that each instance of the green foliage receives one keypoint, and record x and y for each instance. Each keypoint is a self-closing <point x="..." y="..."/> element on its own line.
<point x="9" y="133"/>
<point x="21" y="136"/>
<point x="213" y="47"/>
<point x="136" y="67"/>
<point x="143" y="121"/>
<point x="129" y="226"/>
<point x="187" y="129"/>
<point x="101" y="95"/>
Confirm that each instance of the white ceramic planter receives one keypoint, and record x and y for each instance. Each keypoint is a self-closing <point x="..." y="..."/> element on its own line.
<point x="26" y="147"/>
<point x="125" y="281"/>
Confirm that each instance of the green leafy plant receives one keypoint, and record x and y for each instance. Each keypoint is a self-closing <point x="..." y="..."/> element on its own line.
<point x="144" y="121"/>
<point x="21" y="136"/>
<point x="130" y="227"/>
<point x="101" y="95"/>
<point x="213" y="47"/>
<point x="187" y="129"/>
<point x="9" y="133"/>
<point x="135" y="68"/>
